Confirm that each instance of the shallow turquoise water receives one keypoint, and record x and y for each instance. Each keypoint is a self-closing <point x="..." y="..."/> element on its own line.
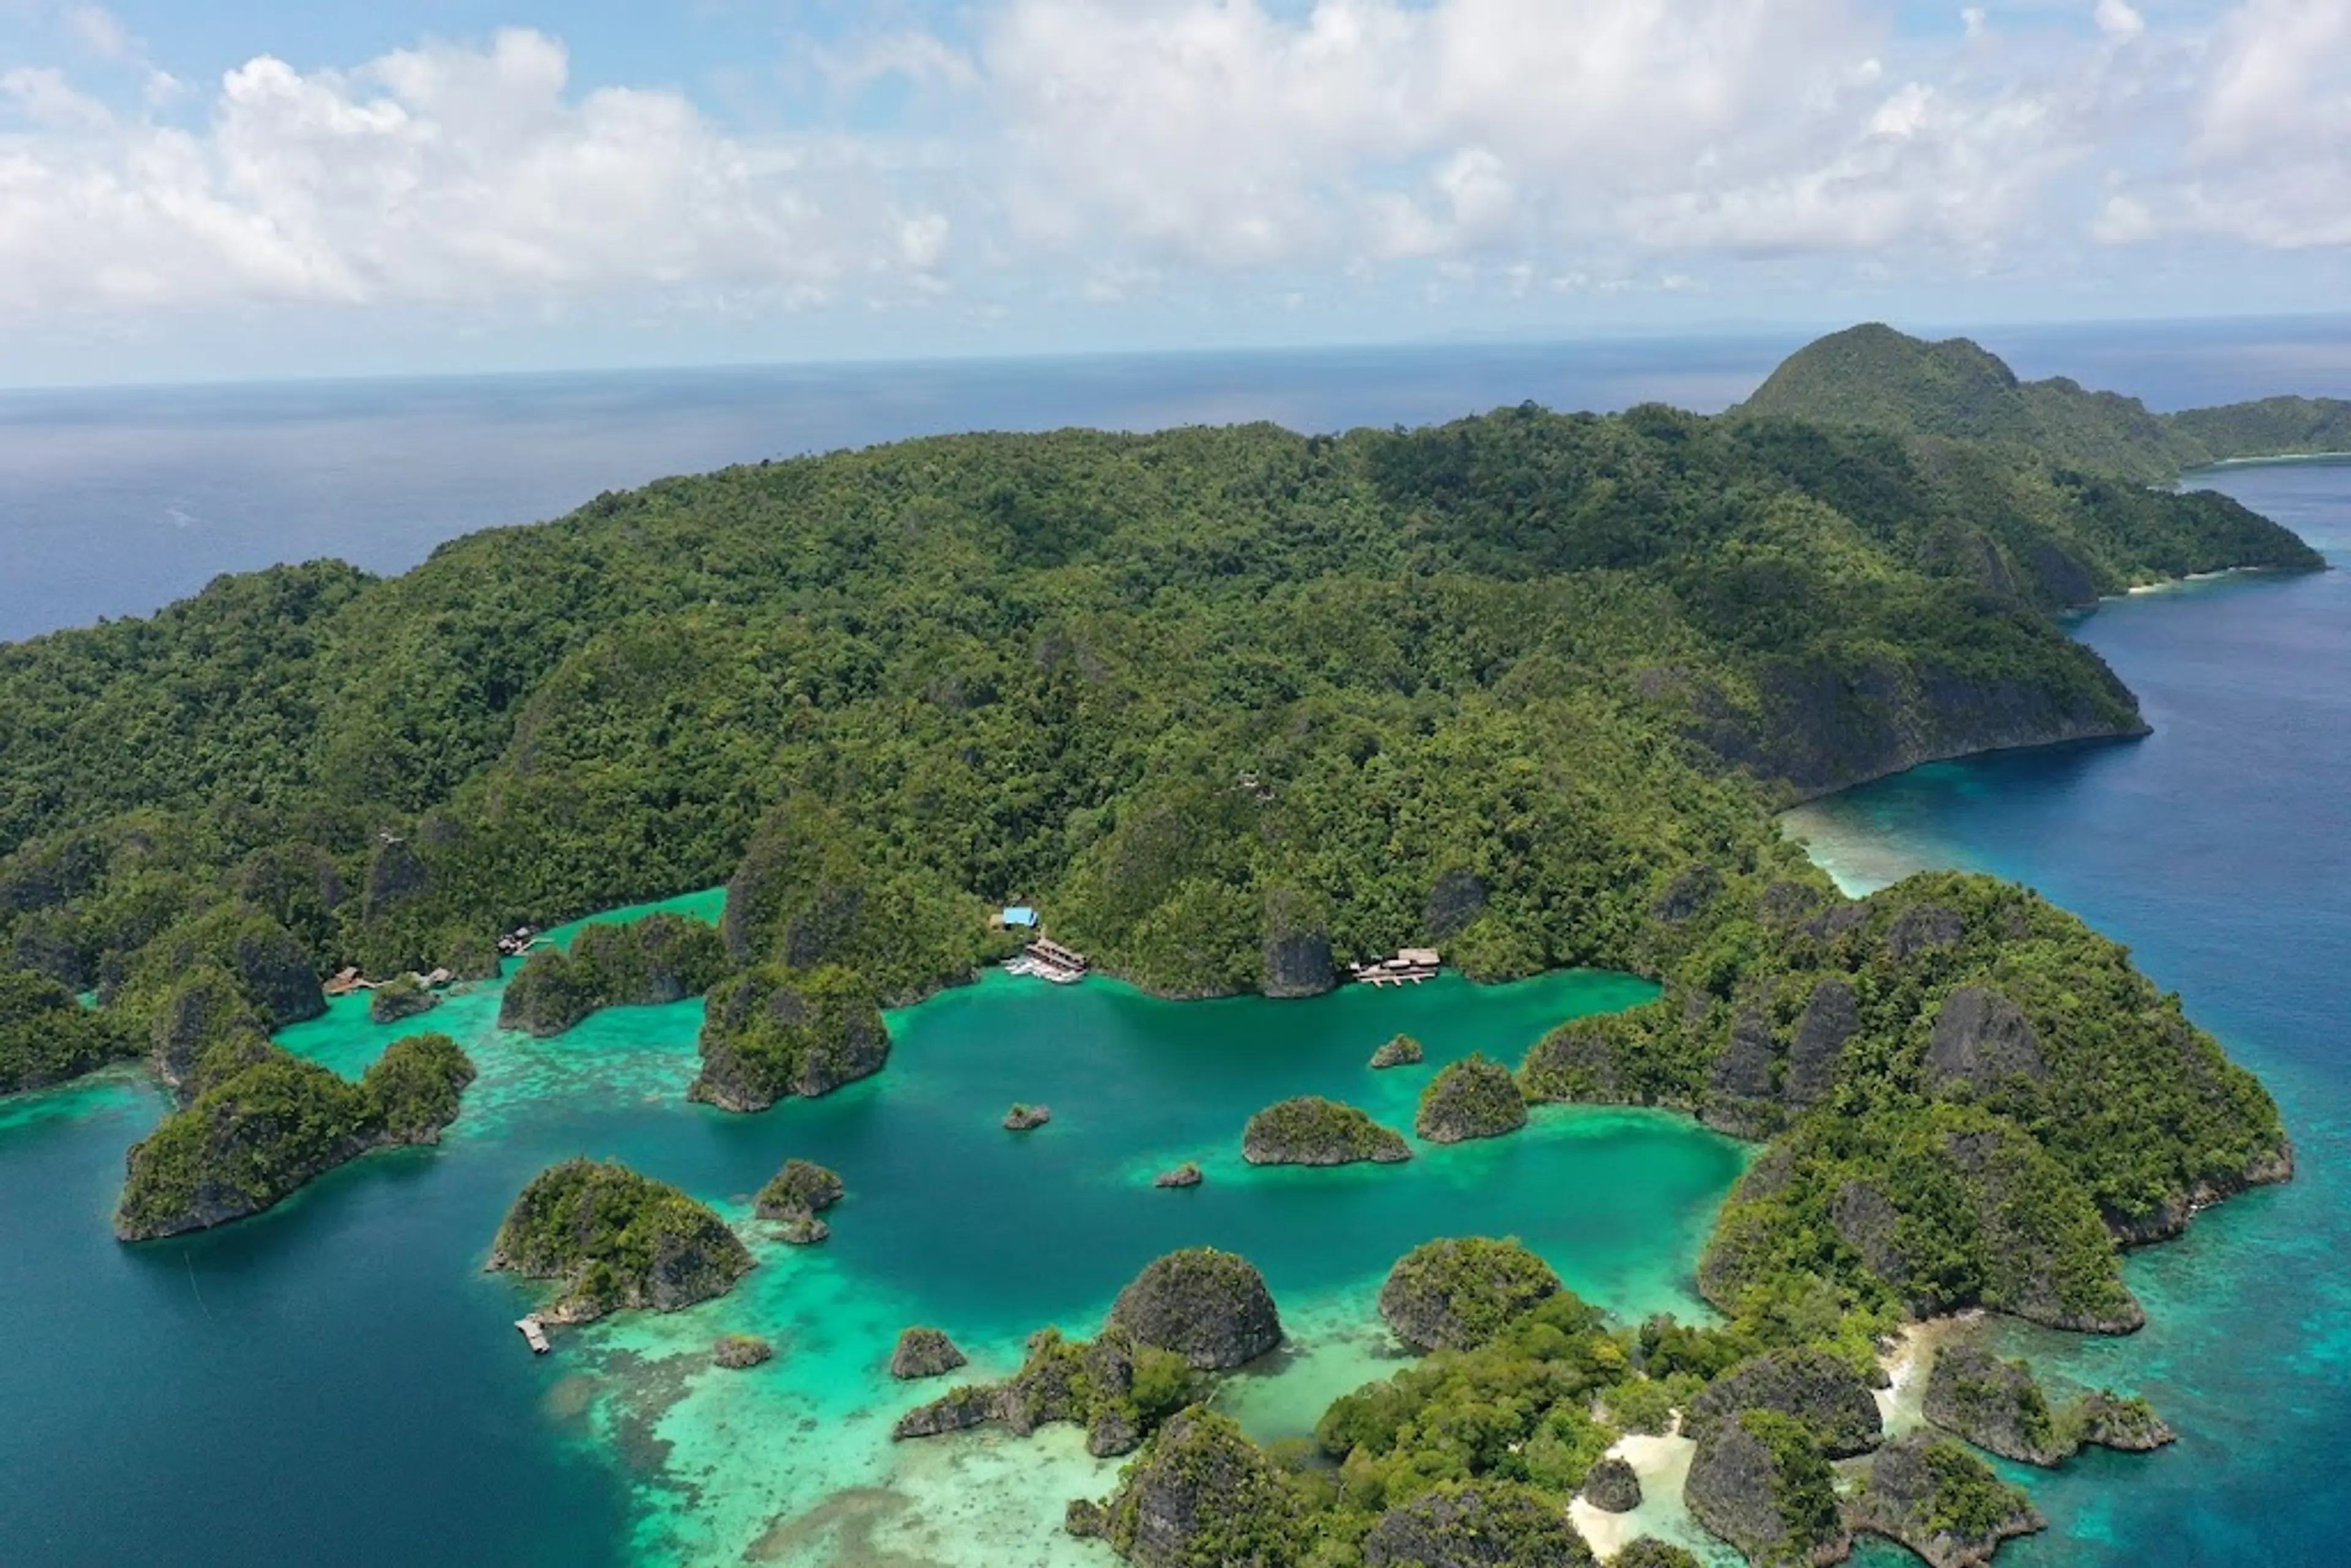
<point x="282" y="1385"/>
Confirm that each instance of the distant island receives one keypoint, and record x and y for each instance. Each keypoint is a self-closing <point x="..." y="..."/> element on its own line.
<point x="1875" y="377"/>
<point x="1226" y="709"/>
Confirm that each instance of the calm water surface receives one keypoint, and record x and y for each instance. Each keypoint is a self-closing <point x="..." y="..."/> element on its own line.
<point x="339" y="1381"/>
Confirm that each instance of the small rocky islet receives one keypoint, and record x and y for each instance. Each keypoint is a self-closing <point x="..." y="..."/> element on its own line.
<point x="1310" y="1130"/>
<point x="613" y="1240"/>
<point x="1476" y="1097"/>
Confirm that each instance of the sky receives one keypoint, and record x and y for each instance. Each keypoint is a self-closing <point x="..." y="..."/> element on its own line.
<point x="260" y="188"/>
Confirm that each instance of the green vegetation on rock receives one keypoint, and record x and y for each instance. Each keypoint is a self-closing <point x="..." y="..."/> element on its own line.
<point x="1457" y="1294"/>
<point x="1879" y="379"/>
<point x="1982" y="1098"/>
<point x="1759" y="1481"/>
<point x="1480" y="1524"/>
<point x="1312" y="1131"/>
<point x="1942" y="1503"/>
<point x="1119" y="1389"/>
<point x="1831" y="1400"/>
<point x="615" y="1239"/>
<point x="1204" y="1496"/>
<point x="46" y="1036"/>
<point x="1473" y="1098"/>
<point x="398" y="999"/>
<point x="770" y="1034"/>
<point x="645" y="963"/>
<point x="1234" y="703"/>
<point x="1648" y="1552"/>
<point x="263" y="1125"/>
<point x="801" y="1187"/>
<point x="1519" y="1407"/>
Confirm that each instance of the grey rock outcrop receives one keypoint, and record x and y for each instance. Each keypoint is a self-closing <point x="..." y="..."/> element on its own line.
<point x="1480" y="1524"/>
<point x="1758" y="1482"/>
<point x="1831" y="1018"/>
<point x="1942" y="1503"/>
<point x="1831" y="1400"/>
<point x="1298" y="963"/>
<point x="1981" y="1036"/>
<point x="1996" y="1405"/>
<point x="1209" y="1307"/>
<point x="1923" y="929"/>
<point x="1612" y="1487"/>
<point x="924" y="1352"/>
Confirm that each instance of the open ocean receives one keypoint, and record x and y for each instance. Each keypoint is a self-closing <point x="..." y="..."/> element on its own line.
<point x="336" y="1382"/>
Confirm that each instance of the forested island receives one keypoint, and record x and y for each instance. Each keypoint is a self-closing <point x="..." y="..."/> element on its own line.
<point x="1234" y="708"/>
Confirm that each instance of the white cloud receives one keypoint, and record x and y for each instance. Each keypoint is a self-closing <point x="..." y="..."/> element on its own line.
<point x="437" y="175"/>
<point x="2267" y="157"/>
<point x="2115" y="20"/>
<point x="1220" y="132"/>
<point x="95" y="27"/>
<point x="1116" y="150"/>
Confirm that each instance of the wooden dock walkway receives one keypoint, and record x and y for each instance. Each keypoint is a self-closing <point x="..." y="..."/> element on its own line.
<point x="1408" y="968"/>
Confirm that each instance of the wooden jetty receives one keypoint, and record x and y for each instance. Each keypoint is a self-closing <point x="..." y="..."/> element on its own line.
<point x="1408" y="968"/>
<point x="533" y="1332"/>
<point x="1049" y="960"/>
<point x="520" y="940"/>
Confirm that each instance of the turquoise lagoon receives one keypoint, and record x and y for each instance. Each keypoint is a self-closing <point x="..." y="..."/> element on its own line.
<point x="338" y="1381"/>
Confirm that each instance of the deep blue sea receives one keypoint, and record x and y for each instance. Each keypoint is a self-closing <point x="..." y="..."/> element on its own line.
<point x="337" y="1382"/>
<point x="2220" y="848"/>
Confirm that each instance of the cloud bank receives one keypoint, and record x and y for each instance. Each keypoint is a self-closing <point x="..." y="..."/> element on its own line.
<point x="1120" y="145"/>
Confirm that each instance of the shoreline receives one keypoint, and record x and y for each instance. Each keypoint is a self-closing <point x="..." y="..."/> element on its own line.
<point x="2280" y="460"/>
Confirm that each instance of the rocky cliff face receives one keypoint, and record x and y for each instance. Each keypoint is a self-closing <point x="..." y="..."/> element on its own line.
<point x="1456" y="1295"/>
<point x="1486" y="1524"/>
<point x="1203" y="1495"/>
<point x="1980" y="1038"/>
<point x="1941" y="1502"/>
<point x="1211" y="1308"/>
<point x="1823" y="728"/>
<point x="1759" y="1482"/>
<point x="924" y="1352"/>
<point x="278" y="975"/>
<point x="1996" y="1405"/>
<point x="1298" y="963"/>
<point x="1830" y="1398"/>
<point x="1831" y="1018"/>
